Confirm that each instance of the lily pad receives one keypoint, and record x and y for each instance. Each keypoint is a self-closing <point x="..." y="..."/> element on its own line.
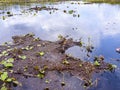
<point x="41" y="53"/>
<point x="96" y="63"/>
<point x="4" y="88"/>
<point x="10" y="60"/>
<point x="70" y="12"/>
<point x="6" y="64"/>
<point x="22" y="57"/>
<point x="4" y="76"/>
<point x="65" y="62"/>
<point x="9" y="80"/>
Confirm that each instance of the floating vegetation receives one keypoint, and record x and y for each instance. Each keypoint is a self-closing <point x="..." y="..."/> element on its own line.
<point x="23" y="57"/>
<point x="47" y="81"/>
<point x="41" y="74"/>
<point x="4" y="76"/>
<point x="7" y="63"/>
<point x="70" y="12"/>
<point x="4" y="53"/>
<point x="65" y="62"/>
<point x="6" y="79"/>
<point x="112" y="67"/>
<point x="41" y="53"/>
<point x="28" y="48"/>
<point x="33" y="65"/>
<point x="96" y="63"/>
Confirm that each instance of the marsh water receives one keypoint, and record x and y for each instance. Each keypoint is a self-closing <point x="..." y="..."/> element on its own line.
<point x="94" y="23"/>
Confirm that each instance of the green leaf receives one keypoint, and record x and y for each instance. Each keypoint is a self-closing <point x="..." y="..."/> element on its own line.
<point x="3" y="17"/>
<point x="9" y="80"/>
<point x="47" y="81"/>
<point x="70" y="12"/>
<point x="4" y="88"/>
<point x="60" y="36"/>
<point x="8" y="65"/>
<point x="10" y="60"/>
<point x="41" y="53"/>
<point x="4" y="52"/>
<point x="96" y="63"/>
<point x="17" y="83"/>
<point x="3" y="62"/>
<point x="27" y="48"/>
<point x="4" y="76"/>
<point x="40" y="75"/>
<point x="65" y="62"/>
<point x="22" y="57"/>
<point x="81" y="43"/>
<point x="31" y="47"/>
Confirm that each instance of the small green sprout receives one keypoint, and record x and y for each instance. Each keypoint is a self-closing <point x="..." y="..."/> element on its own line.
<point x="4" y="88"/>
<point x="7" y="63"/>
<point x="41" y="74"/>
<point x="11" y="60"/>
<point x="81" y="43"/>
<point x="70" y="12"/>
<point x="60" y="36"/>
<point x="96" y="63"/>
<point x="47" y="81"/>
<point x="41" y="53"/>
<point x="4" y="53"/>
<point x="4" y="76"/>
<point x="22" y="57"/>
<point x="9" y="80"/>
<point x="65" y="62"/>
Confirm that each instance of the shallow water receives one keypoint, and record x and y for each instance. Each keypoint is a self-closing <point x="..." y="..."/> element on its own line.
<point x="97" y="24"/>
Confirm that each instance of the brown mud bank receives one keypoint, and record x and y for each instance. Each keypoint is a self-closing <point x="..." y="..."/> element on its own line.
<point x="30" y="63"/>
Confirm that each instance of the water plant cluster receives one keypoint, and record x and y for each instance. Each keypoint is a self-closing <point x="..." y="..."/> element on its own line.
<point x="29" y="56"/>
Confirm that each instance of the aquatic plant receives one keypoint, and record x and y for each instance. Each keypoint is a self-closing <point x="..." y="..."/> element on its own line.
<point x="41" y="53"/>
<point x="7" y="63"/>
<point x="70" y="12"/>
<point x="23" y="57"/>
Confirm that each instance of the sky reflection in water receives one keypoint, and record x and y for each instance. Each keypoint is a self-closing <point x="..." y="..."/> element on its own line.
<point x="100" y="22"/>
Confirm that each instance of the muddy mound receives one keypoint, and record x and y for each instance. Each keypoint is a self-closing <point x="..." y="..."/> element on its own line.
<point x="30" y="63"/>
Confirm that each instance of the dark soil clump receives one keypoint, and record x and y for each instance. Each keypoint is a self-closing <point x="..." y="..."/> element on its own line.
<point x="30" y="58"/>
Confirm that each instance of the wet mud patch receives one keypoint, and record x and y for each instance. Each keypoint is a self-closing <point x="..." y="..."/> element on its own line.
<point x="42" y="8"/>
<point x="30" y="63"/>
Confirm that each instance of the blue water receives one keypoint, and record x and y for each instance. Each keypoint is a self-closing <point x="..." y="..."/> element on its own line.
<point x="99" y="22"/>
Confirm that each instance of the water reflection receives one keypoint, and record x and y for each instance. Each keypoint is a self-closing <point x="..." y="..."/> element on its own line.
<point x="100" y="22"/>
<point x="95" y="21"/>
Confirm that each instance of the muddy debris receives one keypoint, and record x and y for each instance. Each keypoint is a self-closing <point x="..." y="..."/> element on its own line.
<point x="42" y="8"/>
<point x="35" y="59"/>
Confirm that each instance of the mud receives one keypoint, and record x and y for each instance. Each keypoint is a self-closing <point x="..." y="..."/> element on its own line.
<point x="42" y="8"/>
<point x="43" y="65"/>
